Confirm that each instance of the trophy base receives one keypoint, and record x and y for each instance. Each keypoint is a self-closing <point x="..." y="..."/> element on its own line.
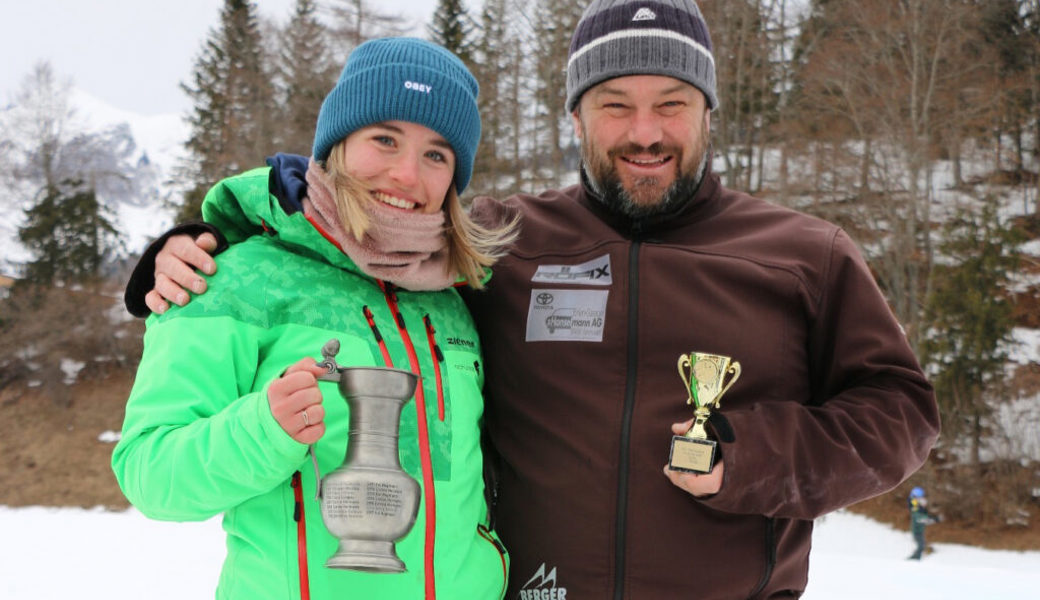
<point x="692" y="455"/>
<point x="366" y="556"/>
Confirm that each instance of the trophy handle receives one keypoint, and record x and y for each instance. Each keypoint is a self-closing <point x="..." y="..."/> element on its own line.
<point x="734" y="370"/>
<point x="685" y="366"/>
<point x="317" y="472"/>
<point x="332" y="373"/>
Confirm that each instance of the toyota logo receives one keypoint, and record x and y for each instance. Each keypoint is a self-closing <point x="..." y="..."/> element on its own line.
<point x="544" y="298"/>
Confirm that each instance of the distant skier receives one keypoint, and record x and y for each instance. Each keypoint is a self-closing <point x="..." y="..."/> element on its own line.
<point x="920" y="518"/>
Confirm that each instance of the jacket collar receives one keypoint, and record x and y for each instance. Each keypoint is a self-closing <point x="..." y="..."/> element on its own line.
<point x="277" y="209"/>
<point x="288" y="181"/>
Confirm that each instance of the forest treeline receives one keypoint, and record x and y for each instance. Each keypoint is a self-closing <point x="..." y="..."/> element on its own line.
<point x="911" y="123"/>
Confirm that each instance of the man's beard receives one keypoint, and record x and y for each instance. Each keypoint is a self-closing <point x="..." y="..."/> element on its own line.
<point x="645" y="199"/>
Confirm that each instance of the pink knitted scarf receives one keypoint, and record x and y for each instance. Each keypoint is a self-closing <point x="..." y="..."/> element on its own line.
<point x="405" y="248"/>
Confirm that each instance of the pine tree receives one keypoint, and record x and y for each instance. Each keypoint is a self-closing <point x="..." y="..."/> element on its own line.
<point x="746" y="81"/>
<point x="452" y="28"/>
<point x="502" y="66"/>
<point x="69" y="233"/>
<point x="555" y="23"/>
<point x="55" y="169"/>
<point x="971" y="317"/>
<point x="492" y="39"/>
<point x="1003" y="30"/>
<point x="306" y="74"/>
<point x="232" y="95"/>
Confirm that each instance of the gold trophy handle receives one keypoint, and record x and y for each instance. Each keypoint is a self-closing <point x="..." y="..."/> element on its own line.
<point x="734" y="370"/>
<point x="684" y="367"/>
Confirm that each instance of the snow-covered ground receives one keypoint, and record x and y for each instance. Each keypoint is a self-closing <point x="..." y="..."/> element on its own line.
<point x="49" y="553"/>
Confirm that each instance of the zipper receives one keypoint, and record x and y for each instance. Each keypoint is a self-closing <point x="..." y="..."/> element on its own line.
<point x="485" y="533"/>
<point x="328" y="237"/>
<point x="424" y="440"/>
<point x="301" y="536"/>
<point x="770" y="556"/>
<point x="438" y="359"/>
<point x="626" y="421"/>
<point x="379" y="337"/>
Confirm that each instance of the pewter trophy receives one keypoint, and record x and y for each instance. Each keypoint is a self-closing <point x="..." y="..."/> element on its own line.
<point x="368" y="502"/>
<point x="705" y="376"/>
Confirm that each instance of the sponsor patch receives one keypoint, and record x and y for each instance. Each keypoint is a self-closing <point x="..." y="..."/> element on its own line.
<point x="542" y="586"/>
<point x="593" y="272"/>
<point x="566" y="315"/>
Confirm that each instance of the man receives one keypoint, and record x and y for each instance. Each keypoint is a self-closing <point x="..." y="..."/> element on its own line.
<point x="647" y="259"/>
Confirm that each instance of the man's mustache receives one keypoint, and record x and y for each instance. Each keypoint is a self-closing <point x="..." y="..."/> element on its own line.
<point x="655" y="149"/>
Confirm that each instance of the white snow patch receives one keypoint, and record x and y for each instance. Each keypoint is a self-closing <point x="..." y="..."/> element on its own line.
<point x="71" y="369"/>
<point x="59" y="553"/>
<point x="109" y="436"/>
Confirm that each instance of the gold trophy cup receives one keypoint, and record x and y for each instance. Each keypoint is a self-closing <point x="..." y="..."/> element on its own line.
<point x="707" y="377"/>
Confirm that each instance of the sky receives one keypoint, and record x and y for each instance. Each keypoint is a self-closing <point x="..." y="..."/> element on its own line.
<point x="130" y="53"/>
<point x="59" y="553"/>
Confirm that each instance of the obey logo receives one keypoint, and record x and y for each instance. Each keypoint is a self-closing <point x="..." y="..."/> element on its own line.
<point x="418" y="87"/>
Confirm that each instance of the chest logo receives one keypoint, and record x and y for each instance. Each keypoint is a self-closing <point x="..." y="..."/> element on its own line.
<point x="559" y="315"/>
<point x="542" y="586"/>
<point x="593" y="272"/>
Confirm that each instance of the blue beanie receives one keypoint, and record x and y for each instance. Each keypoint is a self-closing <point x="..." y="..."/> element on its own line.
<point x="404" y="79"/>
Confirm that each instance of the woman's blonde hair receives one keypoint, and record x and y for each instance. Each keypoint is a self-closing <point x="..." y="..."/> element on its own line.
<point x="472" y="247"/>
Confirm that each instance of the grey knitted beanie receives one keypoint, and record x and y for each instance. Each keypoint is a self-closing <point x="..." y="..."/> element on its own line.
<point x="636" y="37"/>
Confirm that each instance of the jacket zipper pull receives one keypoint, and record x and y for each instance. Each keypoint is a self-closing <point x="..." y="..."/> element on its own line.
<point x="298" y="505"/>
<point x="390" y="291"/>
<point x="378" y="336"/>
<point x="372" y="323"/>
<point x="436" y="347"/>
<point x="438" y="360"/>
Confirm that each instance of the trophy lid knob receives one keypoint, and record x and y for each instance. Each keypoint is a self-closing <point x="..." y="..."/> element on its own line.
<point x="328" y="353"/>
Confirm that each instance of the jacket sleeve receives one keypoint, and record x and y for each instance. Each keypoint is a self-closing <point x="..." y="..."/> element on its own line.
<point x="195" y="440"/>
<point x="870" y="423"/>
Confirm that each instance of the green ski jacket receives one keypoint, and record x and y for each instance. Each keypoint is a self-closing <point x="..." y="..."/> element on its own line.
<point x="199" y="439"/>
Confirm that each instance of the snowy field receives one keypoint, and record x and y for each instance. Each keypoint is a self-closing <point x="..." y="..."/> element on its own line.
<point x="73" y="553"/>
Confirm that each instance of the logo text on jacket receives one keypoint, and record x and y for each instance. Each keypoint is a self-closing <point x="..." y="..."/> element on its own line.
<point x="559" y="315"/>
<point x="542" y="586"/>
<point x="593" y="272"/>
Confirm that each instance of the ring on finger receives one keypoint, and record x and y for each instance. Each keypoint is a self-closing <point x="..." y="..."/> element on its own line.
<point x="306" y="419"/>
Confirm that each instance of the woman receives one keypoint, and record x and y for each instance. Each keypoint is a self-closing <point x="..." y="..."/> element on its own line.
<point x="365" y="248"/>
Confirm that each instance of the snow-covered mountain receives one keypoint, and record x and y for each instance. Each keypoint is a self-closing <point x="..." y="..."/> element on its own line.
<point x="140" y="214"/>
